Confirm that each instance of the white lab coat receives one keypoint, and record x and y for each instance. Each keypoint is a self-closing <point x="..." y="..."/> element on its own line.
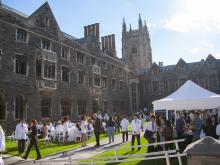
<point x="124" y="125"/>
<point x="136" y="126"/>
<point x="2" y="140"/>
<point x="218" y="130"/>
<point x="21" y="131"/>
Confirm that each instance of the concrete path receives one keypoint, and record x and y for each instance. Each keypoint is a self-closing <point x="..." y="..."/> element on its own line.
<point x="78" y="153"/>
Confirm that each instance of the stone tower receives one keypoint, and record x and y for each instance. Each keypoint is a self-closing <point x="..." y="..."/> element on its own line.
<point x="136" y="47"/>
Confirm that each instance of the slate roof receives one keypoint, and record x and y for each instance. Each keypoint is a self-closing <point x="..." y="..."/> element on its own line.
<point x="69" y="36"/>
<point x="206" y="146"/>
<point x="14" y="10"/>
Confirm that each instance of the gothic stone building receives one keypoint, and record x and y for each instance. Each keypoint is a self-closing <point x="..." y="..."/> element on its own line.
<point x="47" y="74"/>
<point x="160" y="81"/>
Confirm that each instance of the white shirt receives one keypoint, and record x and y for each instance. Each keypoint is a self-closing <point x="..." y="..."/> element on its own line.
<point x="136" y="126"/>
<point x="51" y="127"/>
<point x="150" y="127"/>
<point x="21" y="131"/>
<point x="106" y="117"/>
<point x="124" y="125"/>
<point x="83" y="126"/>
<point x="65" y="126"/>
<point x="90" y="127"/>
<point x="191" y="116"/>
<point x="218" y="130"/>
<point x="2" y="141"/>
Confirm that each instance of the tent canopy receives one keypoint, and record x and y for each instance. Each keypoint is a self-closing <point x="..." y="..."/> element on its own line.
<point x="189" y="96"/>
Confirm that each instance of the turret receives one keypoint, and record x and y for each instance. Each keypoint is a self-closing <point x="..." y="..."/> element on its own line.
<point x="124" y="29"/>
<point x="140" y="22"/>
<point x="130" y="30"/>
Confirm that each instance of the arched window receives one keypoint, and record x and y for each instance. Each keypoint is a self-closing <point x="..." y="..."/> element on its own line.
<point x="20" y="107"/>
<point x="2" y="106"/>
<point x="134" y="97"/>
<point x="133" y="50"/>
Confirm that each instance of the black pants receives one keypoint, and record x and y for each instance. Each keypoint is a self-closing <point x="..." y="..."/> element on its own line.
<point x="123" y="136"/>
<point x="21" y="146"/>
<point x="138" y="140"/>
<point x="97" y="137"/>
<point x="33" y="142"/>
<point x="181" y="144"/>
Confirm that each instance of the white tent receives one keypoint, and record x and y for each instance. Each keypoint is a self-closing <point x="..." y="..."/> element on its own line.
<point x="189" y="96"/>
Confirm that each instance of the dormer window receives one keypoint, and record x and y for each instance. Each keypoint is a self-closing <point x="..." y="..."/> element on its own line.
<point x="46" y="21"/>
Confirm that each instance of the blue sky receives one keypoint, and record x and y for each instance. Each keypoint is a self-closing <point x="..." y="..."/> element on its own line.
<point x="188" y="29"/>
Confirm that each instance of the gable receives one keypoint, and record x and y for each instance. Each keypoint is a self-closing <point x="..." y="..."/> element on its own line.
<point x="181" y="65"/>
<point x="155" y="69"/>
<point x="44" y="20"/>
<point x="210" y="59"/>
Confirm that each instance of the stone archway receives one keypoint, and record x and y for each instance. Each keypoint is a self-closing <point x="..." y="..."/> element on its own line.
<point x="20" y="107"/>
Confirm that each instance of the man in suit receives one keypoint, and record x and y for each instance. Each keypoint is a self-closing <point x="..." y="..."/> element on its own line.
<point x="33" y="141"/>
<point x="21" y="135"/>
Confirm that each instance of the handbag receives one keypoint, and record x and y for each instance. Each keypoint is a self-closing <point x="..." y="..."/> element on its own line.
<point x="148" y="135"/>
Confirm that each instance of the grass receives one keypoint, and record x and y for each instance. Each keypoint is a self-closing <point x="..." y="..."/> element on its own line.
<point x="55" y="147"/>
<point x="126" y="151"/>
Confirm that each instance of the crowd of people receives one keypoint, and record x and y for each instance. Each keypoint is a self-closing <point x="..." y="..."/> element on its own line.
<point x="191" y="126"/>
<point x="182" y="125"/>
<point x="86" y="126"/>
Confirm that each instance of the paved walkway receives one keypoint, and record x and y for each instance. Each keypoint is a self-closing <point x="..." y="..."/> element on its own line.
<point x="78" y="153"/>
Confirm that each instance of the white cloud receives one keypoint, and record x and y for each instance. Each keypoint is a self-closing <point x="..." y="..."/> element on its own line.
<point x="196" y="15"/>
<point x="194" y="50"/>
<point x="216" y="55"/>
<point x="151" y="25"/>
<point x="207" y="44"/>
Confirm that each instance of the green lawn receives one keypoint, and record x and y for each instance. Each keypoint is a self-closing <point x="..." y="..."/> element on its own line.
<point x="55" y="147"/>
<point x="125" y="151"/>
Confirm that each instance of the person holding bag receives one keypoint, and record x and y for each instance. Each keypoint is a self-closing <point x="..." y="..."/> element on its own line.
<point x="151" y="132"/>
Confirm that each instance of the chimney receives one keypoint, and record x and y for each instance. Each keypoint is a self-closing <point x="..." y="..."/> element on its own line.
<point x="103" y="43"/>
<point x="108" y="45"/>
<point x="110" y="42"/>
<point x="113" y="42"/>
<point x="97" y="30"/>
<point x="85" y="31"/>
<point x="89" y="30"/>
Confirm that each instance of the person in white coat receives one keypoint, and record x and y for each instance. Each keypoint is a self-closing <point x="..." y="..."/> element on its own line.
<point x="2" y="144"/>
<point x="124" y="128"/>
<point x="21" y="135"/>
<point x="136" y="129"/>
<point x="218" y="130"/>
